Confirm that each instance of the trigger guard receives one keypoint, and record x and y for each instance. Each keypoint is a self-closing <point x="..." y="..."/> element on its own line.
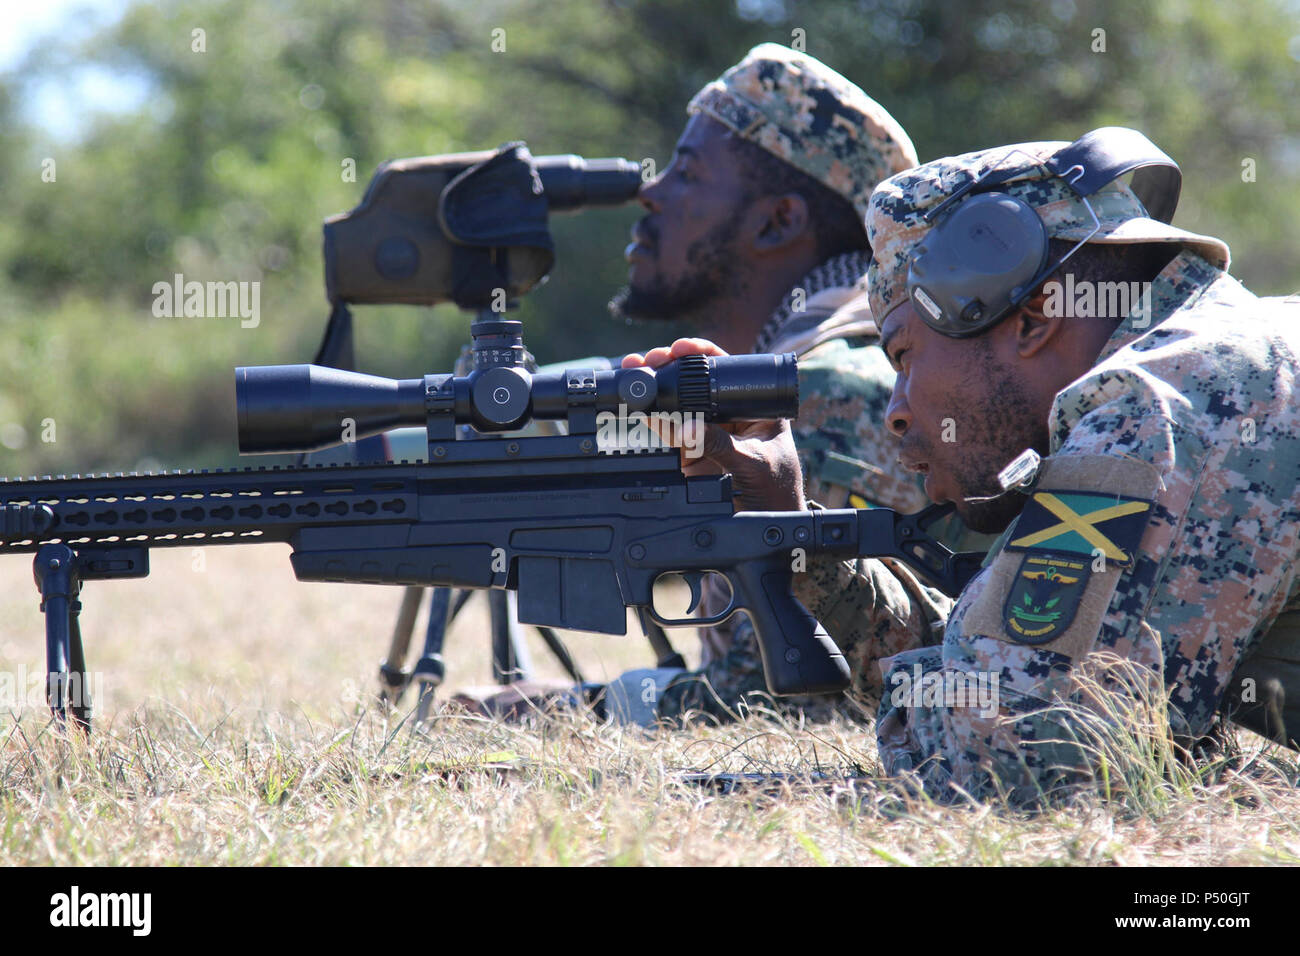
<point x="694" y="580"/>
<point x="690" y="621"/>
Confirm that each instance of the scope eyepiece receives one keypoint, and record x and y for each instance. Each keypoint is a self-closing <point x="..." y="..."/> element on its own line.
<point x="571" y="182"/>
<point x="732" y="387"/>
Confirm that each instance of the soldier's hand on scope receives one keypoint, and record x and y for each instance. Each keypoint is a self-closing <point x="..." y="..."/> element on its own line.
<point x="760" y="455"/>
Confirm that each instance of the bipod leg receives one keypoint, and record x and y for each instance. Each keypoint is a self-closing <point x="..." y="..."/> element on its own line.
<point x="393" y="675"/>
<point x="56" y="572"/>
<point x="510" y="662"/>
<point x="81" y="704"/>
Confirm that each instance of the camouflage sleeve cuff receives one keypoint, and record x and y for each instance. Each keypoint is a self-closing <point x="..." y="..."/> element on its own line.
<point x="829" y="588"/>
<point x="826" y="582"/>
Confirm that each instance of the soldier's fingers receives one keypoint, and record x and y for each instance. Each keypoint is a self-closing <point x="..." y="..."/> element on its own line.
<point x="671" y="434"/>
<point x="695" y="346"/>
<point x="765" y="468"/>
<point x="659" y="357"/>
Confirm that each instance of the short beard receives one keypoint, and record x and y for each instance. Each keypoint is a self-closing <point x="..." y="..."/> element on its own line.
<point x="716" y="276"/>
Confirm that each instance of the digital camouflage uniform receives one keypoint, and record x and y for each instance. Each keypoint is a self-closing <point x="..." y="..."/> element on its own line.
<point x="1176" y="457"/>
<point x="819" y="122"/>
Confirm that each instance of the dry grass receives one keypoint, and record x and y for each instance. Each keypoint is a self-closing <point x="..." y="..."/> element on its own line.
<point x="237" y="729"/>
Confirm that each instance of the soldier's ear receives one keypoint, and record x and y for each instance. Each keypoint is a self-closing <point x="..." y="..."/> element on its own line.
<point x="1036" y="325"/>
<point x="786" y="220"/>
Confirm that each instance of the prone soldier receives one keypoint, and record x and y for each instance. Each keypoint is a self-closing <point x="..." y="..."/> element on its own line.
<point x="1160" y="528"/>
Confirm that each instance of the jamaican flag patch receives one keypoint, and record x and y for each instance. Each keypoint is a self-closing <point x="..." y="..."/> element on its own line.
<point x="1081" y="523"/>
<point x="1044" y="597"/>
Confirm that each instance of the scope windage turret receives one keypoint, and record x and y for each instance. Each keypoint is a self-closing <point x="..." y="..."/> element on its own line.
<point x="299" y="408"/>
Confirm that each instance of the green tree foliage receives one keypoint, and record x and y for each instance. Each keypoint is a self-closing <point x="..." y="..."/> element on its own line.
<point x="238" y="152"/>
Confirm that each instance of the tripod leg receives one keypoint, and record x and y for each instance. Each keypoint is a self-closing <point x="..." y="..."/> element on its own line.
<point x="665" y="655"/>
<point x="393" y="675"/>
<point x="430" y="669"/>
<point x="461" y="599"/>
<point x="561" y="653"/>
<point x="510" y="661"/>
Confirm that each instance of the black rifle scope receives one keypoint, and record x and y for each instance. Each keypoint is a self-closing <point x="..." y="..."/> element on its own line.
<point x="298" y="408"/>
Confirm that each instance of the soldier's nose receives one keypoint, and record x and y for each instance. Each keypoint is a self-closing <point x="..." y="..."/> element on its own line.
<point x="648" y="195"/>
<point x="898" y="417"/>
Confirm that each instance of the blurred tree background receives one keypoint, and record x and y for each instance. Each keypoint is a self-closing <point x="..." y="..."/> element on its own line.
<point x="232" y="157"/>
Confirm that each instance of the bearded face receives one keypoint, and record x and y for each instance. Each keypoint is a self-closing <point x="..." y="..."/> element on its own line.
<point x="683" y="257"/>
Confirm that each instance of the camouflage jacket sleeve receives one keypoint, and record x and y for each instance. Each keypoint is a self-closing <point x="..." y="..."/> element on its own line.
<point x="1157" y="546"/>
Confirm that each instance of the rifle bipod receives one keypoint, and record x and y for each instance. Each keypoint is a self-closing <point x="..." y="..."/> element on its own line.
<point x="59" y="572"/>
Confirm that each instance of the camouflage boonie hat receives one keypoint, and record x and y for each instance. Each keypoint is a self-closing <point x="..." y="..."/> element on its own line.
<point x="896" y="223"/>
<point x="803" y="112"/>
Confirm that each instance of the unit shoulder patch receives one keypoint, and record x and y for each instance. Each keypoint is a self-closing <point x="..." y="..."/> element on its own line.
<point x="1044" y="597"/>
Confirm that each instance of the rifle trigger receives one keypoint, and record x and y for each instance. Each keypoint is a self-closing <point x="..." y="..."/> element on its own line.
<point x="694" y="580"/>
